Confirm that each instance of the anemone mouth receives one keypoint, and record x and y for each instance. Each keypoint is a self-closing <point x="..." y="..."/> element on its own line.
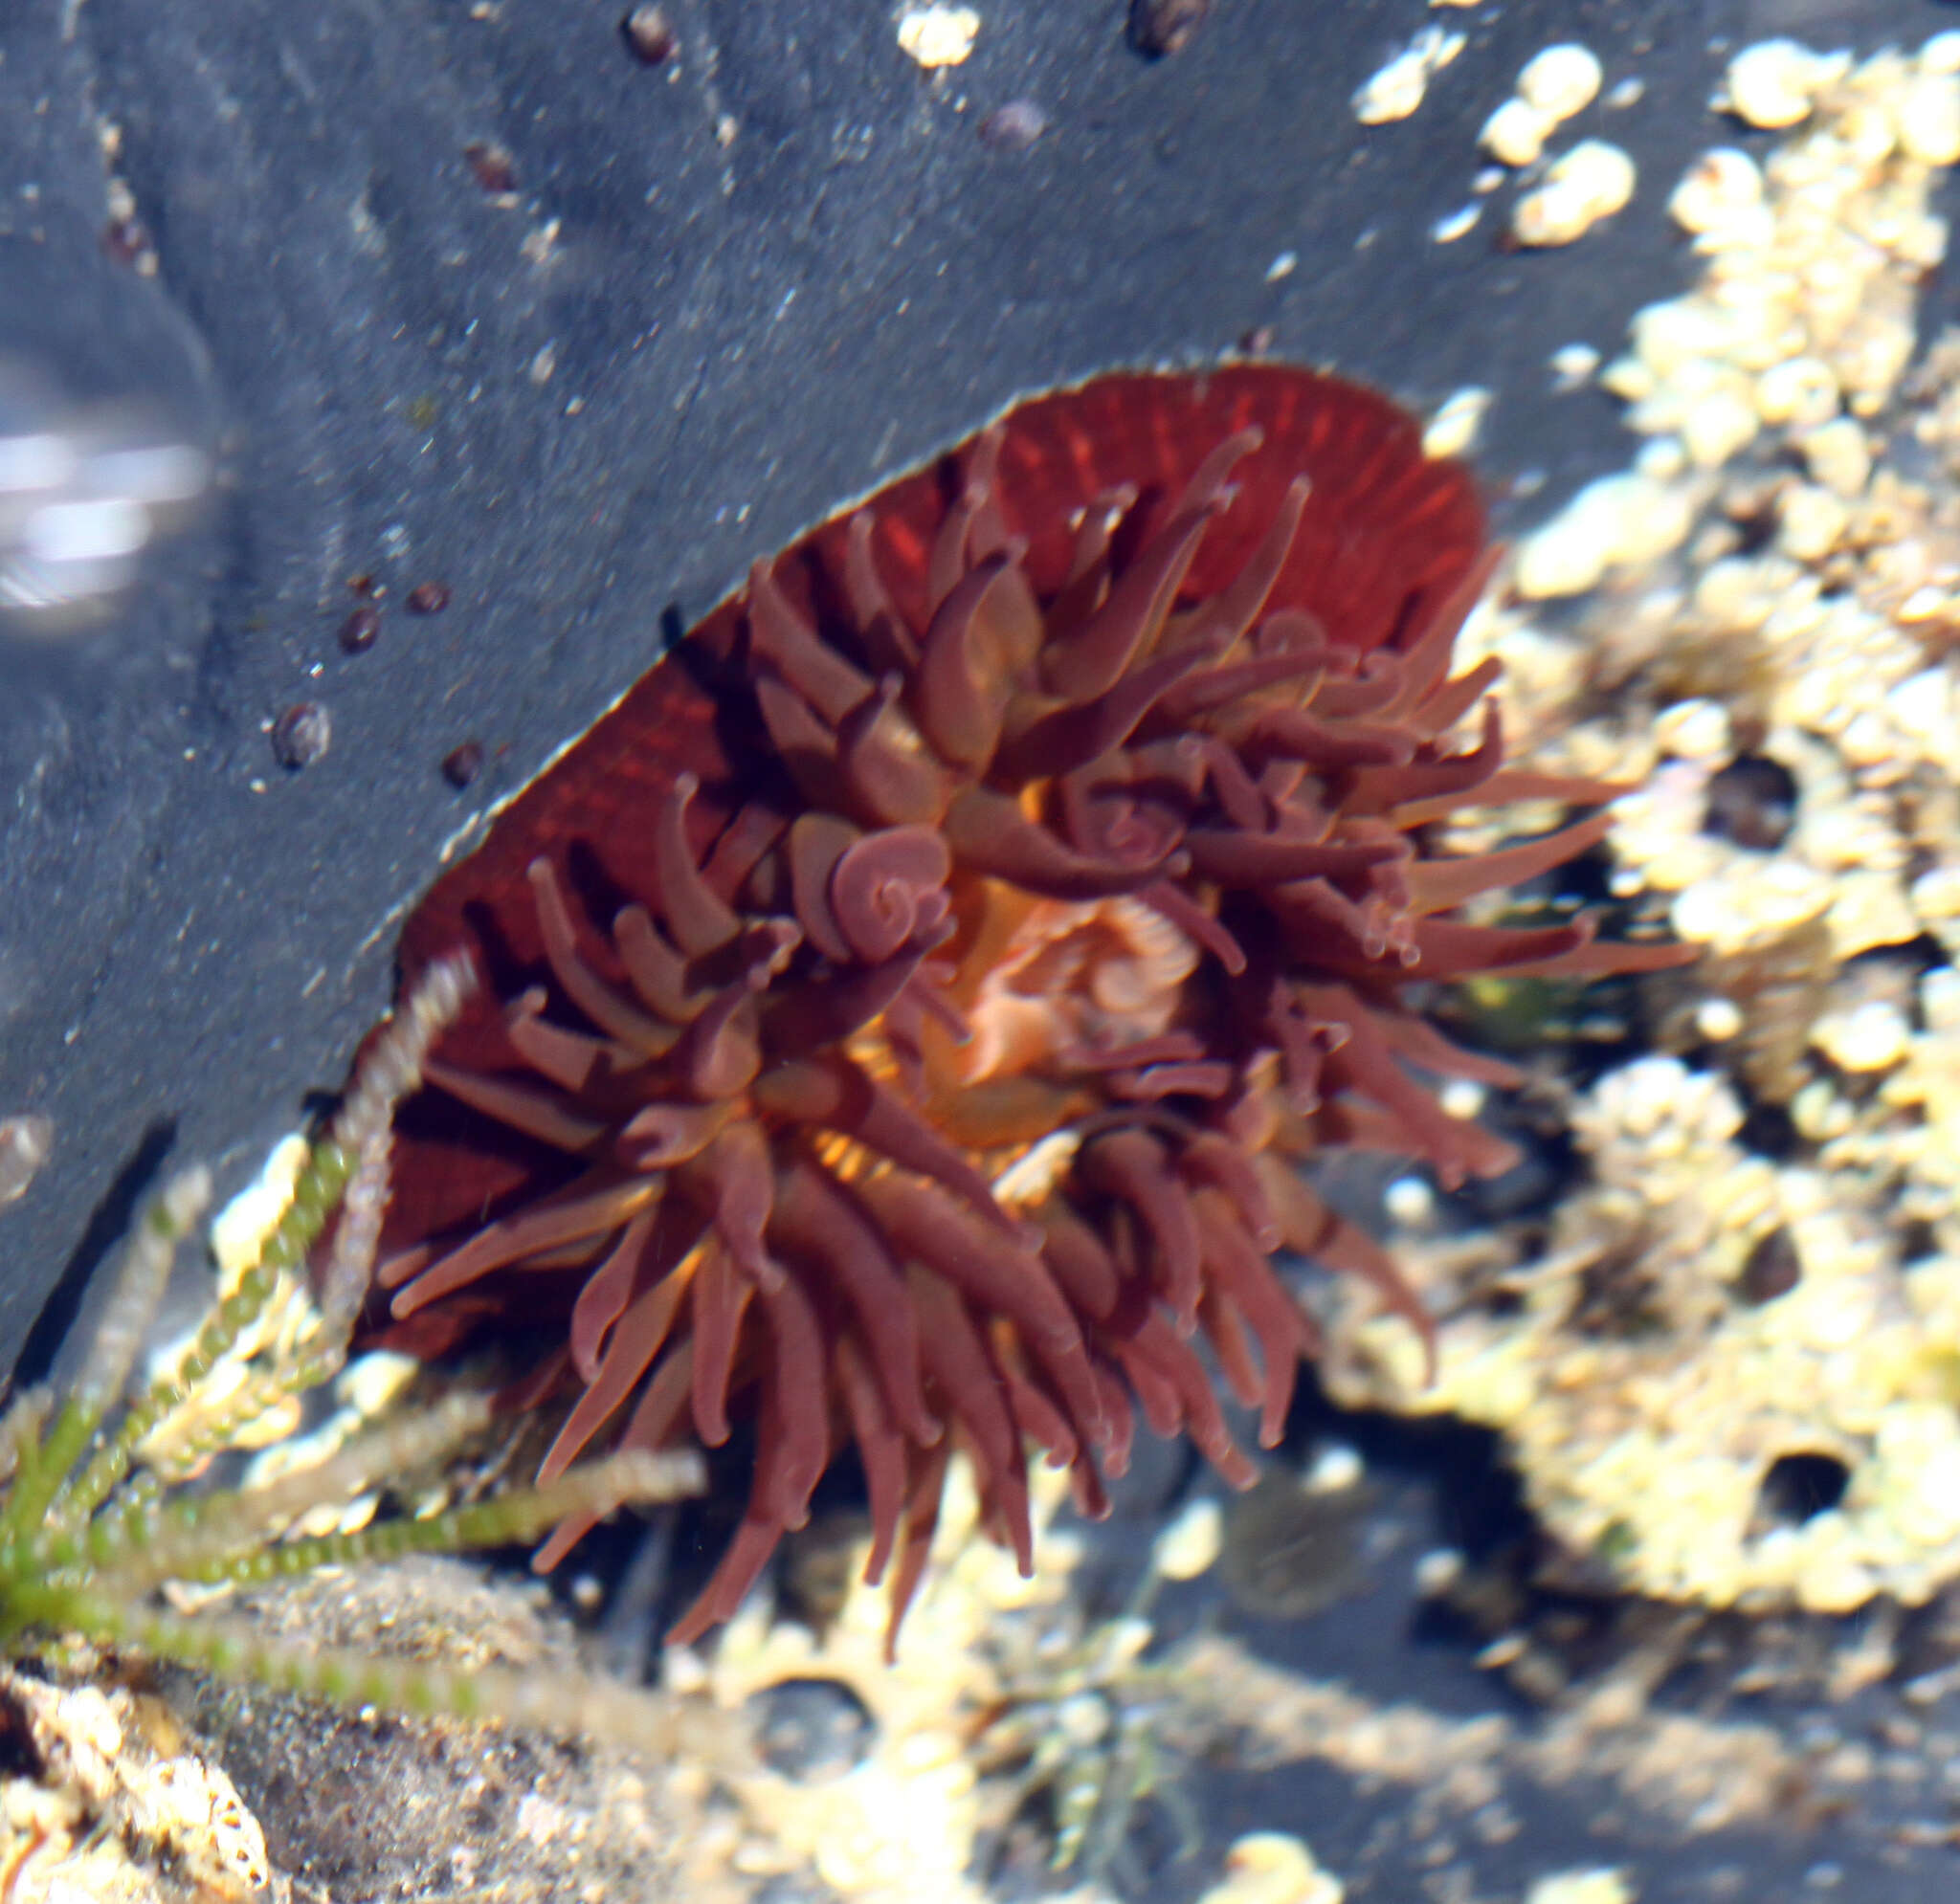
<point x="923" y="986"/>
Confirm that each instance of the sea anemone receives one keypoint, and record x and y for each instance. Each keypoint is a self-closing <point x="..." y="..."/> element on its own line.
<point x="913" y="1002"/>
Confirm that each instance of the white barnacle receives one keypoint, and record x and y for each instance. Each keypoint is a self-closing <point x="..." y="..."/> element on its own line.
<point x="1618" y="519"/>
<point x="1809" y="521"/>
<point x="1572" y="366"/>
<point x="1591" y="182"/>
<point x="1454" y="428"/>
<point x="1188" y="1545"/>
<point x="1927" y="118"/>
<point x="1397" y="87"/>
<point x="1775" y="82"/>
<point x="1561" y="81"/>
<point x="1394" y="90"/>
<point x="938" y="35"/>
<point x="1270" y="1864"/>
<point x="1838" y="456"/>
<point x="1516" y="132"/>
<point x="1802" y="390"/>
<point x="1873" y="1035"/>
<point x="1941" y="53"/>
<point x="1722" y="187"/>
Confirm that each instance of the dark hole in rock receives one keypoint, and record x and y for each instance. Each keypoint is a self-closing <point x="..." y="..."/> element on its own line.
<point x="1798" y="1486"/>
<point x="1752" y="801"/>
<point x="1769" y="1130"/>
<point x="1771" y="1269"/>
<point x="811" y="1728"/>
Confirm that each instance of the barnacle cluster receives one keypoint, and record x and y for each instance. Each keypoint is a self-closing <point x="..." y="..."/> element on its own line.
<point x="1761" y="1277"/>
<point x="121" y="1799"/>
<point x="1704" y="1314"/>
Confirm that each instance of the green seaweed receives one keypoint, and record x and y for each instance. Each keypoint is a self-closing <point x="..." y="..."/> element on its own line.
<point x="91" y="1530"/>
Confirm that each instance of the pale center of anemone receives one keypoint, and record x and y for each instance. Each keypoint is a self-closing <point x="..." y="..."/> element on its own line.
<point x="1094" y="975"/>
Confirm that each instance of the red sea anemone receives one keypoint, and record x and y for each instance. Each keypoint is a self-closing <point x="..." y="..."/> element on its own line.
<point x="909" y="1007"/>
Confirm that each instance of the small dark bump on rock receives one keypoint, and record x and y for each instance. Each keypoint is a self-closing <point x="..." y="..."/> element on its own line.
<point x="126" y="240"/>
<point x="491" y="165"/>
<point x="461" y="764"/>
<point x="26" y="1143"/>
<point x="301" y="735"/>
<point x="359" y="630"/>
<point x="428" y="598"/>
<point x="1012" y="127"/>
<point x="1161" y="27"/>
<point x="647" y="33"/>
